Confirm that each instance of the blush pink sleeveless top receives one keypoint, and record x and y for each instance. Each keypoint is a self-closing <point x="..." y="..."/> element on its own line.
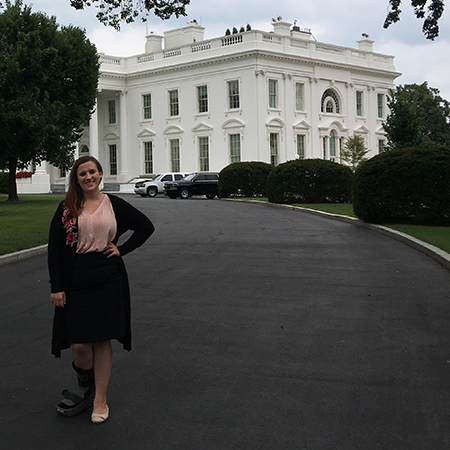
<point x="96" y="230"/>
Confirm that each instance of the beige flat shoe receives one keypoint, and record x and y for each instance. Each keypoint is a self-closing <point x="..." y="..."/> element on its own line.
<point x="100" y="418"/>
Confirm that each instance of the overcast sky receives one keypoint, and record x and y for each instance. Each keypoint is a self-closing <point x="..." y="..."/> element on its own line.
<point x="334" y="22"/>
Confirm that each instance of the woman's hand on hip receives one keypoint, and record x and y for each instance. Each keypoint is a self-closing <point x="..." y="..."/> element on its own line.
<point x="58" y="299"/>
<point x="111" y="250"/>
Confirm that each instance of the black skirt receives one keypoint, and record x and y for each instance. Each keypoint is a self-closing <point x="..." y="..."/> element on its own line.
<point x="96" y="303"/>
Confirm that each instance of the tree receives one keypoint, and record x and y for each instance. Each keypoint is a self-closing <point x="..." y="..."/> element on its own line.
<point x="48" y="87"/>
<point x="418" y="117"/>
<point x="429" y="10"/>
<point x="354" y="151"/>
<point x="113" y="12"/>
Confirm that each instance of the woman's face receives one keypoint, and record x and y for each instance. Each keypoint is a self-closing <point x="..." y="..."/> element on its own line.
<point x="89" y="177"/>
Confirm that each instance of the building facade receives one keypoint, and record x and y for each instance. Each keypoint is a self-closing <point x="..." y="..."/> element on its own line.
<point x="190" y="104"/>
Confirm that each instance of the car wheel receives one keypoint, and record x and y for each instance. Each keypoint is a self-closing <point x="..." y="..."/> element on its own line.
<point x="184" y="193"/>
<point x="152" y="191"/>
<point x="210" y="196"/>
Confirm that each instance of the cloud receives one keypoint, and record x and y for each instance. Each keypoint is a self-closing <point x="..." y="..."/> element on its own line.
<point x="423" y="62"/>
<point x="339" y="23"/>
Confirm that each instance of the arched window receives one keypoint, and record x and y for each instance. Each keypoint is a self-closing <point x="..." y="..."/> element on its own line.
<point x="330" y="102"/>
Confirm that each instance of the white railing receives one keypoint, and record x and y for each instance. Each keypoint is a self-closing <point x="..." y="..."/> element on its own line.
<point x="201" y="47"/>
<point x="329" y="49"/>
<point x="143" y="59"/>
<point x="299" y="44"/>
<point x="271" y="38"/>
<point x="355" y="54"/>
<point x="172" y="53"/>
<point x="231" y="40"/>
<point x="109" y="60"/>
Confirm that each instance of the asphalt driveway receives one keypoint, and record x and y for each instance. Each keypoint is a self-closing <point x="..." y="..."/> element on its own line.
<point x="253" y="328"/>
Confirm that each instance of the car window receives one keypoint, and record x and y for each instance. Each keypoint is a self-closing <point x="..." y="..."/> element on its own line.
<point x="178" y="176"/>
<point x="189" y="177"/>
<point x="201" y="177"/>
<point x="167" y="178"/>
<point x="158" y="177"/>
<point x="212" y="176"/>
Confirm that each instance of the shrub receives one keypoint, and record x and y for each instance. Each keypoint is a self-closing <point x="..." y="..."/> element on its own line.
<point x="310" y="181"/>
<point x="409" y="185"/>
<point x="4" y="182"/>
<point x="244" y="178"/>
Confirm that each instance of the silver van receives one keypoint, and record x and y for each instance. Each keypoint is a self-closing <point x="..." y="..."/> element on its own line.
<point x="150" y="188"/>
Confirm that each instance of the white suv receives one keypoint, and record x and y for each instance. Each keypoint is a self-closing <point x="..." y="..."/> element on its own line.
<point x="150" y="188"/>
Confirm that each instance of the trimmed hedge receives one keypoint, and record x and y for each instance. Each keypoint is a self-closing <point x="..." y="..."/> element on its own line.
<point x="310" y="181"/>
<point x="244" y="178"/>
<point x="410" y="185"/>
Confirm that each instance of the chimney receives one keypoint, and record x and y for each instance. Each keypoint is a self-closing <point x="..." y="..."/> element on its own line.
<point x="280" y="27"/>
<point x="153" y="43"/>
<point x="365" y="44"/>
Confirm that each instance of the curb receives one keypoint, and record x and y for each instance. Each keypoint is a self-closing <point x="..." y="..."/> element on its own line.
<point x="439" y="255"/>
<point x="22" y="254"/>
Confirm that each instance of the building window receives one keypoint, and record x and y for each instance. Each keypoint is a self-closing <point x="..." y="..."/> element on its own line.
<point x="174" y="107"/>
<point x="301" y="146"/>
<point x="333" y="145"/>
<point x="233" y="94"/>
<point x="112" y="111"/>
<point x="330" y="102"/>
<point x="203" y="145"/>
<point x="148" y="157"/>
<point x="235" y="148"/>
<point x="147" y="105"/>
<point x="274" y="148"/>
<point x="299" y="96"/>
<point x="113" y="159"/>
<point x="380" y="102"/>
<point x="62" y="173"/>
<point x="202" y="94"/>
<point x="273" y="93"/>
<point x="175" y="154"/>
<point x="381" y="145"/>
<point x="359" y="103"/>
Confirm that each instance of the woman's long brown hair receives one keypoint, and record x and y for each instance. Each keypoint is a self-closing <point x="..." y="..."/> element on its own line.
<point x="74" y="197"/>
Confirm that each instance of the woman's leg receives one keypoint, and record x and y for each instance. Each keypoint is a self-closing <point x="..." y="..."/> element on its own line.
<point x="81" y="396"/>
<point x="83" y="356"/>
<point x="102" y="358"/>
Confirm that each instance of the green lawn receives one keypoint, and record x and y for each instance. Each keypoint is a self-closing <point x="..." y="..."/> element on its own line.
<point x="26" y="224"/>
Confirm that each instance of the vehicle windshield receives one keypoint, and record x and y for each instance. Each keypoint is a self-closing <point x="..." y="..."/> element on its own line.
<point x="158" y="177"/>
<point x="189" y="177"/>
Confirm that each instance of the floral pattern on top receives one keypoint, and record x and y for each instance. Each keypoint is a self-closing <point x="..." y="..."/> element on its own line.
<point x="71" y="227"/>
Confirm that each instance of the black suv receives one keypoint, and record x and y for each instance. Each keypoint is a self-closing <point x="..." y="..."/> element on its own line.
<point x="203" y="183"/>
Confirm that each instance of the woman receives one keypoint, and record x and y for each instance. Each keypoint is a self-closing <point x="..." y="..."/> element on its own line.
<point x="89" y="283"/>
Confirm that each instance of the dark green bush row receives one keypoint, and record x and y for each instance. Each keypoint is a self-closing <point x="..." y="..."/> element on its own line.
<point x="410" y="185"/>
<point x="244" y="179"/>
<point x="4" y="182"/>
<point x="310" y="181"/>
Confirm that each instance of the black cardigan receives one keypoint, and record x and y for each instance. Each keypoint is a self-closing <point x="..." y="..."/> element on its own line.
<point x="61" y="257"/>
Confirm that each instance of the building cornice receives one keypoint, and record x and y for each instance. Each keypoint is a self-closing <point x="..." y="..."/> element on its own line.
<point x="250" y="54"/>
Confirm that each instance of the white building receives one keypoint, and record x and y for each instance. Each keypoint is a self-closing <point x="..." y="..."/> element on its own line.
<point x="190" y="104"/>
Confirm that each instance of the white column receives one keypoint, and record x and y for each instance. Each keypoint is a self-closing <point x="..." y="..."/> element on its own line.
<point x="93" y="135"/>
<point x="124" y="166"/>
